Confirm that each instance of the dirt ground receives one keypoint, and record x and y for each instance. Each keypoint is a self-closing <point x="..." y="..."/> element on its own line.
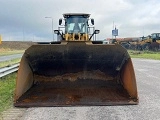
<point x="16" y="45"/>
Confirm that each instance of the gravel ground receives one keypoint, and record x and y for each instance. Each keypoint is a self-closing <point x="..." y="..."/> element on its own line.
<point x="12" y="114"/>
<point x="148" y="77"/>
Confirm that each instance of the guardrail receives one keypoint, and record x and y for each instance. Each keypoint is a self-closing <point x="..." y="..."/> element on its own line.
<point x="8" y="70"/>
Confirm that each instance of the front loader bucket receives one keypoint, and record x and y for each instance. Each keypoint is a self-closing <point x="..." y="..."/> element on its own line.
<point x="75" y="73"/>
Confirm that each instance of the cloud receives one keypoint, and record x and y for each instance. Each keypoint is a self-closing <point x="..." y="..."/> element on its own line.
<point x="26" y="19"/>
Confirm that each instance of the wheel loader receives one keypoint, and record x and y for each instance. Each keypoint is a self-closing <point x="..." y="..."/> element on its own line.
<point x="76" y="70"/>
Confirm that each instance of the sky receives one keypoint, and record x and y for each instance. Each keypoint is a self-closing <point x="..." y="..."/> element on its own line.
<point x="25" y="20"/>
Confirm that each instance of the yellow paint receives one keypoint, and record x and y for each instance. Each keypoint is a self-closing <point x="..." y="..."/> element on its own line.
<point x="71" y="37"/>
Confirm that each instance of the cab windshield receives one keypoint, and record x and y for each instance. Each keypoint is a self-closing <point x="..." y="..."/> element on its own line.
<point x="156" y="35"/>
<point x="76" y="24"/>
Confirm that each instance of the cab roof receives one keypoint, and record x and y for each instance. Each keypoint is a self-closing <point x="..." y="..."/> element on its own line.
<point x="65" y="15"/>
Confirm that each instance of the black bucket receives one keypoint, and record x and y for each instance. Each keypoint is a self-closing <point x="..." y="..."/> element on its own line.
<point x="75" y="73"/>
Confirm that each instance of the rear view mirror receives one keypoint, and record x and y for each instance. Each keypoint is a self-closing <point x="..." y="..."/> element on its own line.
<point x="60" y="21"/>
<point x="56" y="31"/>
<point x="96" y="31"/>
<point x="92" y="21"/>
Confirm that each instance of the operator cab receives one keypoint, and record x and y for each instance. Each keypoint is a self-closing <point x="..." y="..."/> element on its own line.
<point x="155" y="37"/>
<point x="76" y="27"/>
<point x="76" y="23"/>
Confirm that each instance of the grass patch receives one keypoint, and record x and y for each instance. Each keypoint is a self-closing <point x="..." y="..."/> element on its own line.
<point x="8" y="51"/>
<point x="144" y="54"/>
<point x="7" y="86"/>
<point x="10" y="62"/>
